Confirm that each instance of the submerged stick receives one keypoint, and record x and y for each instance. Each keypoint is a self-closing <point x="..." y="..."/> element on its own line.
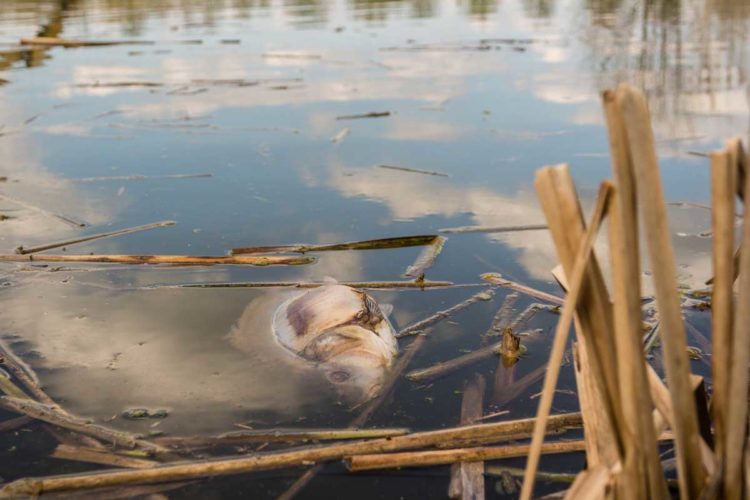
<point x="467" y="479"/>
<point x="480" y="433"/>
<point x="97" y="456"/>
<point x="379" y="244"/>
<point x="279" y="435"/>
<point x="40" y="248"/>
<point x="419" y="326"/>
<point x="48" y="414"/>
<point x="413" y="170"/>
<point x="141" y="177"/>
<point x="493" y="229"/>
<point x="266" y="260"/>
<point x="62" y="218"/>
<point x="360" y="463"/>
<point x="425" y="259"/>
<point x="497" y="279"/>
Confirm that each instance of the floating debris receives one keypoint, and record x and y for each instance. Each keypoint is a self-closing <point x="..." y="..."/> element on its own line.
<point x="265" y="260"/>
<point x="493" y="229"/>
<point x="373" y="114"/>
<point x="117" y="85"/>
<point x="340" y="136"/>
<point x="378" y="244"/>
<point x="62" y="218"/>
<point x="40" y="248"/>
<point x="413" y="170"/>
<point x="373" y="285"/>
<point x="426" y="259"/>
<point x="420" y="326"/>
<point x="67" y="43"/>
<point x="497" y="279"/>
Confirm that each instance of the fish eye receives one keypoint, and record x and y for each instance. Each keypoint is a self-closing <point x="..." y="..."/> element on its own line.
<point x="339" y="376"/>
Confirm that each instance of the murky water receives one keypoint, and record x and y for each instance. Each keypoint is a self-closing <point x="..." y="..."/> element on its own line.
<point x="249" y="92"/>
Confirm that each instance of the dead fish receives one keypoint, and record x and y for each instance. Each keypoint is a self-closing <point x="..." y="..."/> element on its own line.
<point x="344" y="332"/>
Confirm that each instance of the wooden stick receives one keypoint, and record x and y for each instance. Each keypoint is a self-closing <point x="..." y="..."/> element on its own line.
<point x="67" y="43"/>
<point x="674" y="346"/>
<point x="425" y="259"/>
<point x="48" y="414"/>
<point x="264" y="260"/>
<point x="497" y="279"/>
<point x="722" y="216"/>
<point x="642" y="474"/>
<point x="40" y="248"/>
<point x="360" y="463"/>
<point x="97" y="456"/>
<point x="59" y="217"/>
<point x="492" y="432"/>
<point x="279" y="435"/>
<point x="413" y="170"/>
<point x="736" y="418"/>
<point x="421" y="325"/>
<point x="372" y="285"/>
<point x="379" y="244"/>
<point x="561" y="338"/>
<point x="467" y="479"/>
<point x="493" y="229"/>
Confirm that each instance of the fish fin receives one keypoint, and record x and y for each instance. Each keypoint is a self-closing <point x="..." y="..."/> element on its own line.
<point x="328" y="280"/>
<point x="386" y="309"/>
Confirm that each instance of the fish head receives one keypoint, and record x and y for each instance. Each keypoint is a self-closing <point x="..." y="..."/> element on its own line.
<point x="357" y="375"/>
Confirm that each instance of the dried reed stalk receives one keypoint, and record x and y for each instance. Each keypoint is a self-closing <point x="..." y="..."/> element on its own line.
<point x="723" y="173"/>
<point x="59" y="217"/>
<point x="425" y="259"/>
<point x="561" y="338"/>
<point x="379" y="244"/>
<point x="279" y="435"/>
<point x="421" y="325"/>
<point x="264" y="260"/>
<point x="642" y="474"/>
<point x="640" y="140"/>
<point x="97" y="456"/>
<point x="497" y="279"/>
<point x="40" y="248"/>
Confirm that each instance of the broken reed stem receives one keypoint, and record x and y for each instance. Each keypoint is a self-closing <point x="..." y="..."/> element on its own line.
<point x="372" y="285"/>
<point x="722" y="217"/>
<point x="736" y="418"/>
<point x="502" y="317"/>
<point x="15" y="423"/>
<point x="40" y="248"/>
<point x="50" y="415"/>
<point x="360" y="463"/>
<point x="425" y="259"/>
<point x="67" y="43"/>
<point x="493" y="229"/>
<point x="561" y="338"/>
<point x="444" y="368"/>
<point x="264" y="260"/>
<point x="378" y="244"/>
<point x="479" y="433"/>
<point x="59" y="217"/>
<point x="467" y="479"/>
<point x="497" y="279"/>
<point x="279" y="435"/>
<point x="413" y="170"/>
<point x="419" y="326"/>
<point x="637" y="124"/>
<point x="28" y="380"/>
<point x="642" y="475"/>
<point x="97" y="456"/>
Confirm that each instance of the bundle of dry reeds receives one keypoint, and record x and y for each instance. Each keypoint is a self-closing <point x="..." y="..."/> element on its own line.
<point x="622" y="420"/>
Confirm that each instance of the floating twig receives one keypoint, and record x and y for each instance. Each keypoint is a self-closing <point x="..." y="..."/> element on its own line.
<point x="279" y="435"/>
<point x="115" y="85"/>
<point x="260" y="260"/>
<point x="372" y="285"/>
<point x="378" y="244"/>
<point x="493" y="229"/>
<point x="62" y="218"/>
<point x="467" y="479"/>
<point x="97" y="456"/>
<point x="141" y="177"/>
<point x="425" y="259"/>
<point x="497" y="279"/>
<point x="40" y="248"/>
<point x="374" y="114"/>
<point x="68" y="43"/>
<point x="421" y="325"/>
<point x="413" y="170"/>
